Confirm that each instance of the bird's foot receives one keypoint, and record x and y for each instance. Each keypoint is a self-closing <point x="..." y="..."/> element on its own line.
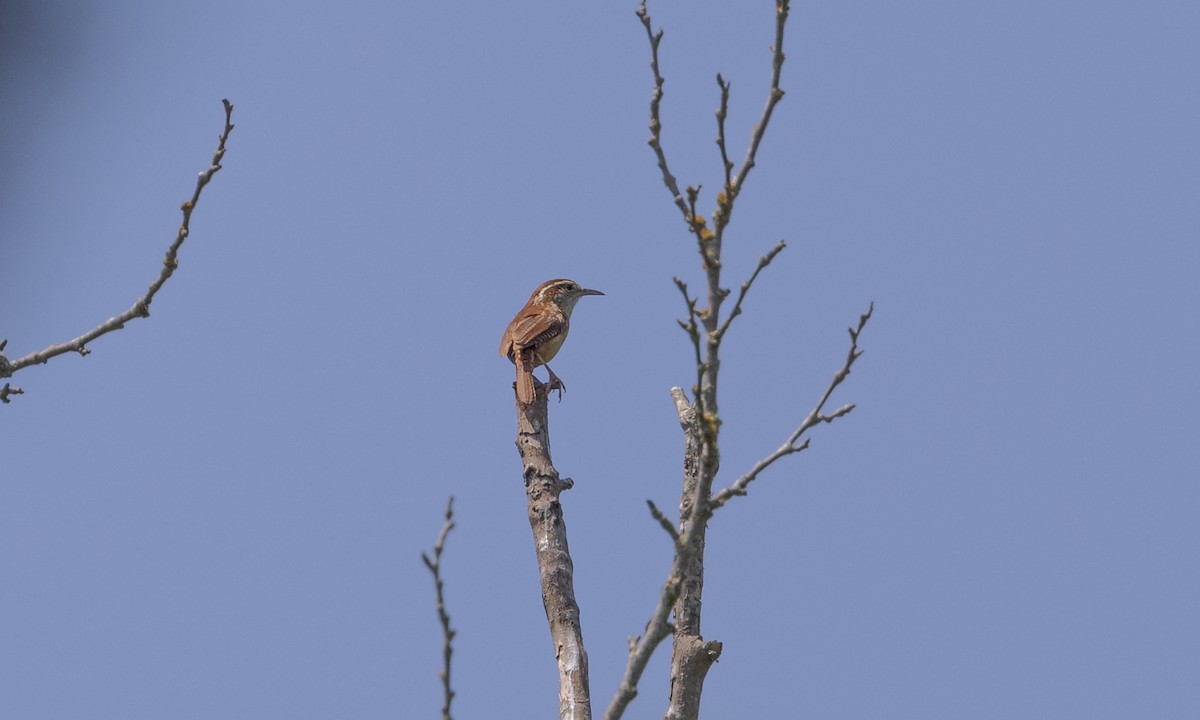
<point x="555" y="383"/>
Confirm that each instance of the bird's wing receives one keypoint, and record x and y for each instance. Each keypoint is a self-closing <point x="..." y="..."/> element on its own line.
<point x="533" y="327"/>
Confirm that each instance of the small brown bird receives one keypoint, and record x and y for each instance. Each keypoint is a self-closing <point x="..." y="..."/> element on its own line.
<point x="538" y="331"/>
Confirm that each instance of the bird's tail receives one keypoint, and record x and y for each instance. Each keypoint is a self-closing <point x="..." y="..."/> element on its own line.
<point x="525" y="391"/>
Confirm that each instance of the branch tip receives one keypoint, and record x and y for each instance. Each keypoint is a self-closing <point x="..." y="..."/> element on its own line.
<point x="663" y="521"/>
<point x="9" y="390"/>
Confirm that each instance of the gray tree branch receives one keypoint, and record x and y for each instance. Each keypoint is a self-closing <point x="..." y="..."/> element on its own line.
<point x="435" y="568"/>
<point x="693" y="331"/>
<point x="693" y="655"/>
<point x="642" y="648"/>
<point x="655" y="140"/>
<point x="542" y="489"/>
<point x="141" y="306"/>
<point x="763" y="261"/>
<point x="815" y="417"/>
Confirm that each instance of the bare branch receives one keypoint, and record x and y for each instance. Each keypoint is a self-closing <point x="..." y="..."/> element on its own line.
<point x="659" y="627"/>
<point x="763" y="261"/>
<point x="655" y="123"/>
<point x="774" y="95"/>
<point x="140" y="307"/>
<point x="733" y="183"/>
<point x="693" y="331"/>
<point x="814" y="418"/>
<point x="641" y="649"/>
<point x="663" y="521"/>
<point x="543" y="486"/>
<point x="9" y="390"/>
<point x="435" y="567"/>
<point x="728" y="193"/>
<point x="692" y="655"/>
<point x="722" y="112"/>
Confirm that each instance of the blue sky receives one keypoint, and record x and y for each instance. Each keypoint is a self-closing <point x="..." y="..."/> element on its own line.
<point x="219" y="512"/>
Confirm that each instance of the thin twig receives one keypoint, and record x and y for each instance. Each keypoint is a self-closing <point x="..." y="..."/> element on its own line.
<point x="641" y="649"/>
<point x="693" y="331"/>
<point x="814" y="418"/>
<point x="9" y="390"/>
<point x="448" y="633"/>
<point x="763" y="261"/>
<point x="709" y="252"/>
<point x="728" y="193"/>
<point x="733" y="184"/>
<point x="722" y="112"/>
<point x="663" y="521"/>
<point x="773" y="96"/>
<point x="655" y="123"/>
<point x="140" y="307"/>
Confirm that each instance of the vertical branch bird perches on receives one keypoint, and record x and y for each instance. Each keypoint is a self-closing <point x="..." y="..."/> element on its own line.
<point x="542" y="489"/>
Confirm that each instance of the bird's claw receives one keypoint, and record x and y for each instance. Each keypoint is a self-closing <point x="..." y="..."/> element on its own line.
<point x="555" y="383"/>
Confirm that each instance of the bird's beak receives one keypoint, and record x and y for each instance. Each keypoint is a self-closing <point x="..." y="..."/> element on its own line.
<point x="589" y="292"/>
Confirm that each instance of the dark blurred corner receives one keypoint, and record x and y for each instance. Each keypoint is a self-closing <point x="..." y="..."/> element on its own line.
<point x="40" y="47"/>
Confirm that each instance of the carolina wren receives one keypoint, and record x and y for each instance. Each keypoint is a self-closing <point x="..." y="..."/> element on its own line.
<point x="538" y="331"/>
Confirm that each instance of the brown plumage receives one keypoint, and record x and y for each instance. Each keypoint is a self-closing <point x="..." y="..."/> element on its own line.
<point x="538" y="331"/>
